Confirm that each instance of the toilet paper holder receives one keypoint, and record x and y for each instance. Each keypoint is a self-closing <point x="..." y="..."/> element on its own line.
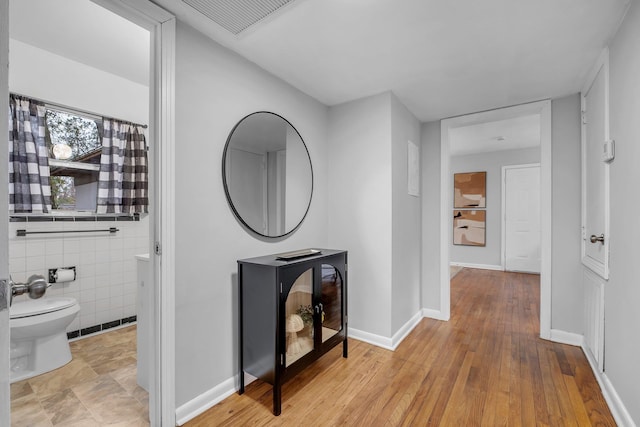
<point x="53" y="274"/>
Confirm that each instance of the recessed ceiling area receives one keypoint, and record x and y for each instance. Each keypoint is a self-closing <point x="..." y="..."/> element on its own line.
<point x="509" y="134"/>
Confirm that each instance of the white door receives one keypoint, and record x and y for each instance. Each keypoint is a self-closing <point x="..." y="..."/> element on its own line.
<point x="595" y="205"/>
<point x="521" y="218"/>
<point x="595" y="173"/>
<point x="5" y="405"/>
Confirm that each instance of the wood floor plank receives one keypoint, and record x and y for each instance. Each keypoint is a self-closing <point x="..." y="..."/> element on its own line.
<point x="487" y="366"/>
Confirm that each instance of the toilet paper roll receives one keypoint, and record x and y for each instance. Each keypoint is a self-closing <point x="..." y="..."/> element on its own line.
<point x="65" y="275"/>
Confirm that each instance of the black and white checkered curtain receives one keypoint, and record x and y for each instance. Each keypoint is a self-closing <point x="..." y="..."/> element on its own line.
<point x="29" y="188"/>
<point x="123" y="183"/>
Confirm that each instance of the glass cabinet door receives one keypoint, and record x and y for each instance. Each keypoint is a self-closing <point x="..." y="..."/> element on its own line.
<point x="331" y="301"/>
<point x="299" y="318"/>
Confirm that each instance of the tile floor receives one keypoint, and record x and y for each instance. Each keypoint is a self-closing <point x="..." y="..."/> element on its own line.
<point x="97" y="388"/>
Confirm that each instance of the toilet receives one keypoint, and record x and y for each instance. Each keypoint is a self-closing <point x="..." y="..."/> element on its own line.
<point x="39" y="341"/>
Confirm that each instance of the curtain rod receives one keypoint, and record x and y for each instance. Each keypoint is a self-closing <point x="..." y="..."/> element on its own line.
<point x="76" y="110"/>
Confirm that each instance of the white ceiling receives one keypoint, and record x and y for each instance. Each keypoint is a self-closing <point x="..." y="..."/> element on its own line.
<point x="509" y="134"/>
<point x="441" y="58"/>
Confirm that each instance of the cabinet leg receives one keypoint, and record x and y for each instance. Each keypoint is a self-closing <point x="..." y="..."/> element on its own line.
<point x="345" y="350"/>
<point x="277" y="400"/>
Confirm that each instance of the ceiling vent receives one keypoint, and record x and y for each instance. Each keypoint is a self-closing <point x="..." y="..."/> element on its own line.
<point x="236" y="15"/>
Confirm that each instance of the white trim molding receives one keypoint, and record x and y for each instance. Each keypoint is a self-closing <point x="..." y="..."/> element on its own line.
<point x="206" y="400"/>
<point x="385" y="342"/>
<point x="430" y="313"/>
<point x="5" y="372"/>
<point x="619" y="411"/>
<point x="162" y="26"/>
<point x="543" y="108"/>
<point x="478" y="266"/>
<point x="564" y="337"/>
<point x="369" y="338"/>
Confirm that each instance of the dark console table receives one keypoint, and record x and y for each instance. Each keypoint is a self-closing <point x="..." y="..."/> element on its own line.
<point x="293" y="309"/>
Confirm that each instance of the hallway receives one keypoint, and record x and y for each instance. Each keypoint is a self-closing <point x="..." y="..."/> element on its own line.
<point x="486" y="366"/>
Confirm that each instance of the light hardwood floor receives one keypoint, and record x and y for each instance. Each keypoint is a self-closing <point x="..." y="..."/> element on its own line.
<point x="486" y="366"/>
<point x="97" y="388"/>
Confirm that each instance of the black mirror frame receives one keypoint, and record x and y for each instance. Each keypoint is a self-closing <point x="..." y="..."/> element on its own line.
<point x="226" y="187"/>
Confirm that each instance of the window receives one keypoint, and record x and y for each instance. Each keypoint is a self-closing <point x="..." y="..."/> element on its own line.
<point x="74" y="159"/>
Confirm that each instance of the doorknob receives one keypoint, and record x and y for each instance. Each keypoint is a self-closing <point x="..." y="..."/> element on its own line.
<point x="36" y="286"/>
<point x="595" y="238"/>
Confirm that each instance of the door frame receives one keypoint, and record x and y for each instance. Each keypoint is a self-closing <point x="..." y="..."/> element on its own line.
<point x="5" y="376"/>
<point x="162" y="26"/>
<point x="543" y="108"/>
<point x="503" y="217"/>
<point x="161" y="128"/>
<point x="601" y="269"/>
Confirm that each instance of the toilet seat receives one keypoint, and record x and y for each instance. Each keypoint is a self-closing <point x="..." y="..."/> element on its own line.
<point x="34" y="307"/>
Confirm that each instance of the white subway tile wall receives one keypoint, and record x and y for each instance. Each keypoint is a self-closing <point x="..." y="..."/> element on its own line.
<point x="106" y="277"/>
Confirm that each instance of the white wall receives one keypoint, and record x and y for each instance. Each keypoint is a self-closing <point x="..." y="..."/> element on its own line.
<point x="566" y="268"/>
<point x="44" y="75"/>
<point x="622" y="293"/>
<point x="430" y="195"/>
<point x="405" y="221"/>
<point x="215" y="88"/>
<point x="371" y="212"/>
<point x="360" y="211"/>
<point x="490" y="254"/>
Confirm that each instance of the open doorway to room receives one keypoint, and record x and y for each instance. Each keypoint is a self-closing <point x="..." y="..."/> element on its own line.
<point x="84" y="66"/>
<point x="484" y="146"/>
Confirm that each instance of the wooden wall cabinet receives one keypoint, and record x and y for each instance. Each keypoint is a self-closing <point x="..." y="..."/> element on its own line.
<point x="291" y="312"/>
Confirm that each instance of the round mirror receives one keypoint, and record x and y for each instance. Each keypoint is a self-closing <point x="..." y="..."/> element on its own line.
<point x="267" y="174"/>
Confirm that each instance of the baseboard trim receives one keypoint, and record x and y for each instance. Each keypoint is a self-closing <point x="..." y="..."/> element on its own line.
<point x="406" y="329"/>
<point x="479" y="266"/>
<point x="564" y="337"/>
<point x="206" y="400"/>
<point x="433" y="314"/>
<point x="618" y="410"/>
<point x="369" y="338"/>
<point x="385" y="342"/>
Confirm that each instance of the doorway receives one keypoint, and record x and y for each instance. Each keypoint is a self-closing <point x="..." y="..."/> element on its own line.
<point x="53" y="63"/>
<point x="161" y="121"/>
<point x="543" y="109"/>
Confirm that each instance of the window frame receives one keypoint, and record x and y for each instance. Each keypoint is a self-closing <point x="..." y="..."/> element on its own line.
<point x="73" y="164"/>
